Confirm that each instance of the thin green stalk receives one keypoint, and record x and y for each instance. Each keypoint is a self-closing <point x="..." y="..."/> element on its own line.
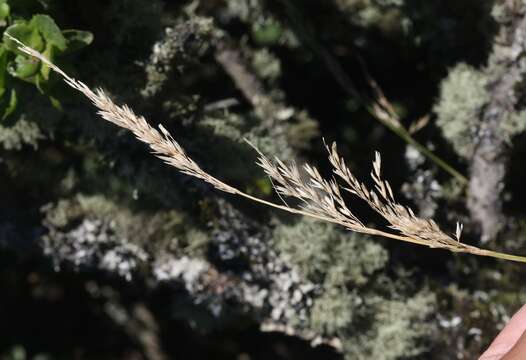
<point x="341" y="77"/>
<point x="380" y="233"/>
<point x="404" y="134"/>
<point x="503" y="256"/>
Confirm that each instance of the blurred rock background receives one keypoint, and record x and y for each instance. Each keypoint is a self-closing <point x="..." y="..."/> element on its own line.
<point x="106" y="253"/>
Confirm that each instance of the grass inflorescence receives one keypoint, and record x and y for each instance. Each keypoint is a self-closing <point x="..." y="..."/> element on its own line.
<point x="318" y="197"/>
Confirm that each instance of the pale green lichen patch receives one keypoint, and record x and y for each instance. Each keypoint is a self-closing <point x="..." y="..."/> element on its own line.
<point x="462" y="95"/>
<point x="322" y="251"/>
<point x="354" y="294"/>
<point x="513" y="124"/>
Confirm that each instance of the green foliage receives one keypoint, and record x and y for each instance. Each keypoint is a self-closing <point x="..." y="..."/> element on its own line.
<point x="42" y="34"/>
<point x="17" y="70"/>
<point x="267" y="33"/>
<point x="5" y="10"/>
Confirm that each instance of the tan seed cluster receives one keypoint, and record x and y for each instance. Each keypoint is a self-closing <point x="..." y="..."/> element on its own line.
<point x="318" y="197"/>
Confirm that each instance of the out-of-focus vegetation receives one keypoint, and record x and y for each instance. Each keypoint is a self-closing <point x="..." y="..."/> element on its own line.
<point x="41" y="33"/>
<point x="107" y="253"/>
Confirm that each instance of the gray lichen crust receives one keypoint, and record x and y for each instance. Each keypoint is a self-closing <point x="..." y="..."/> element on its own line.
<point x="480" y="111"/>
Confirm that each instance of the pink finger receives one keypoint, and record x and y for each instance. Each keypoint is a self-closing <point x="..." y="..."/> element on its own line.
<point x="518" y="351"/>
<point x="507" y="337"/>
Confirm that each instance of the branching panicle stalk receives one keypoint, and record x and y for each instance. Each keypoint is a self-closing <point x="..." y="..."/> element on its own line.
<point x="320" y="198"/>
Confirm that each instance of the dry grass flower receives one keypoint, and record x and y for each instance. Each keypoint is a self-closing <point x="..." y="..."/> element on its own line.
<point x="319" y="197"/>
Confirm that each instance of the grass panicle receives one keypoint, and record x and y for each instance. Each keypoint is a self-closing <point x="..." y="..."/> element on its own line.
<point x="318" y="197"/>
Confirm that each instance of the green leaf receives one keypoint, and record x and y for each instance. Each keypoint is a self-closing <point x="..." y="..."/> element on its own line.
<point x="44" y="69"/>
<point x="77" y="39"/>
<point x="11" y="106"/>
<point x="49" y="30"/>
<point x="25" y="33"/>
<point x="56" y="103"/>
<point x="267" y="34"/>
<point x="43" y="84"/>
<point x="24" y="68"/>
<point x="3" y="69"/>
<point x="4" y="10"/>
